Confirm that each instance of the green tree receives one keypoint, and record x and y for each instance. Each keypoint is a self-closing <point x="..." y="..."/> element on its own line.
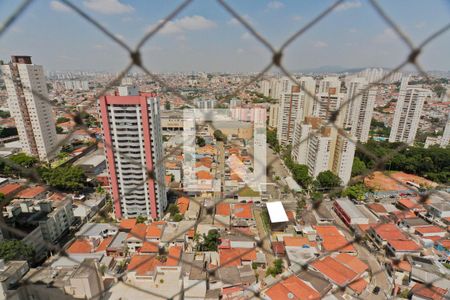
<point x="177" y="217"/>
<point x="167" y="105"/>
<point x="358" y="167"/>
<point x="62" y="120"/>
<point x="69" y="178"/>
<point x="356" y="192"/>
<point x="200" y="141"/>
<point x="173" y="209"/>
<point x="328" y="179"/>
<point x="5" y="114"/>
<point x="219" y="136"/>
<point x="24" y="160"/>
<point x="59" y="130"/>
<point x="271" y="136"/>
<point x="210" y="241"/>
<point x="276" y="269"/>
<point x="141" y="219"/>
<point x="16" y="250"/>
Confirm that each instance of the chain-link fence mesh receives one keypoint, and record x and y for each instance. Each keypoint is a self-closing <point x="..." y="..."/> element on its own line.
<point x="262" y="243"/>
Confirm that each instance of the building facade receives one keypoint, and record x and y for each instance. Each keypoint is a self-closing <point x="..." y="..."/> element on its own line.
<point x="360" y="108"/>
<point x="407" y="113"/>
<point x="25" y="82"/>
<point x="133" y="146"/>
<point x="291" y="110"/>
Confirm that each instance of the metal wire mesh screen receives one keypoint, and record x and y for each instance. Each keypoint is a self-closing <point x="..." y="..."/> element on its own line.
<point x="134" y="53"/>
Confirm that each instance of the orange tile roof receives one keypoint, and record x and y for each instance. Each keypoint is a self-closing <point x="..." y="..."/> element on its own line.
<point x="242" y="211"/>
<point x="445" y="243"/>
<point x="408" y="203"/>
<point x="191" y="233"/>
<point x="104" y="244"/>
<point x="234" y="256"/>
<point x="352" y="262"/>
<point x="400" y="245"/>
<point x="377" y="207"/>
<point x="80" y="246"/>
<point x="432" y="292"/>
<point x="174" y="256"/>
<point x="223" y="209"/>
<point x="127" y="223"/>
<point x="205" y="175"/>
<point x="31" y="192"/>
<point x="207" y="160"/>
<point x="138" y="231"/>
<point x="333" y="240"/>
<point x="335" y="271"/>
<point x="154" y="231"/>
<point x="298" y="241"/>
<point x="168" y="179"/>
<point x="56" y="196"/>
<point x="403" y="265"/>
<point x="143" y="264"/>
<point x="292" y="286"/>
<point x="406" y="214"/>
<point x="358" y="286"/>
<point x="390" y="232"/>
<point x="429" y="229"/>
<point x="149" y="247"/>
<point x="10" y="188"/>
<point x="183" y="204"/>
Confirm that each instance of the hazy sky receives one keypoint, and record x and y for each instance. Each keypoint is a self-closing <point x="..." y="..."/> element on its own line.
<point x="204" y="37"/>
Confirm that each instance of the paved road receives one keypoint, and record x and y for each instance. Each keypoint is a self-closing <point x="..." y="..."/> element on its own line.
<point x="380" y="278"/>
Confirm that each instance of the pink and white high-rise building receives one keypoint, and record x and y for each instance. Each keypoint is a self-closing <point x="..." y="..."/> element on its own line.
<point x="134" y="152"/>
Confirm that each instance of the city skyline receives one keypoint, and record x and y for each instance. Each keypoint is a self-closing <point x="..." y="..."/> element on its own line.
<point x="204" y="32"/>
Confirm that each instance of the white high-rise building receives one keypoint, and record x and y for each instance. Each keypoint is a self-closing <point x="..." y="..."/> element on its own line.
<point x="360" y="108"/>
<point x="291" y="109"/>
<point x="308" y="85"/>
<point x="132" y="133"/>
<point x="311" y="145"/>
<point x="273" y="115"/>
<point x="265" y="88"/>
<point x="33" y="116"/>
<point x="342" y="158"/>
<point x="327" y="103"/>
<point x="329" y="83"/>
<point x="407" y="113"/>
<point x="446" y="136"/>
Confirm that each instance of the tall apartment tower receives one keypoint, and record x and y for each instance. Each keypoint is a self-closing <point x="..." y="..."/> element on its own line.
<point x="308" y="86"/>
<point x="359" y="108"/>
<point x="329" y="83"/>
<point x="273" y="115"/>
<point x="311" y="145"/>
<point x="407" y="113"/>
<point x="32" y="115"/>
<point x="446" y="136"/>
<point x="342" y="157"/>
<point x="291" y="109"/>
<point x="133" y="147"/>
<point x="327" y="103"/>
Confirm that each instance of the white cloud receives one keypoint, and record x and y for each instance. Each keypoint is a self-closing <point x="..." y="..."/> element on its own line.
<point x="59" y="6"/>
<point x="189" y="23"/>
<point x="246" y="36"/>
<point x="235" y="22"/>
<point x="275" y="5"/>
<point x="348" y="5"/>
<point x="120" y="37"/>
<point x="297" y="18"/>
<point x="388" y="35"/>
<point x="320" y="44"/>
<point x="108" y="7"/>
<point x="353" y="30"/>
<point x="99" y="46"/>
<point x="240" y="51"/>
